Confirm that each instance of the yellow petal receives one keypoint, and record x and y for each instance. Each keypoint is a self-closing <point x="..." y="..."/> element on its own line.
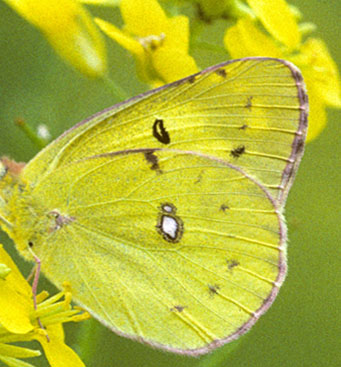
<point x="129" y="43"/>
<point x="58" y="353"/>
<point x="17" y="352"/>
<point x="101" y="2"/>
<point x="16" y="303"/>
<point x="69" y="29"/>
<point x="278" y="20"/>
<point x="173" y="64"/>
<point x="317" y="111"/>
<point x="322" y="71"/>
<point x="15" y="278"/>
<point x="4" y="271"/>
<point x="13" y="362"/>
<point x="245" y="39"/>
<point x="177" y="34"/>
<point x="143" y="17"/>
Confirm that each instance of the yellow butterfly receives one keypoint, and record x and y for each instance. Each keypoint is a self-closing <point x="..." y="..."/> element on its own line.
<point x="164" y="212"/>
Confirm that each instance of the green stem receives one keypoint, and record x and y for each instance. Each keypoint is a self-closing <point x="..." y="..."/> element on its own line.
<point x="115" y="89"/>
<point x="31" y="134"/>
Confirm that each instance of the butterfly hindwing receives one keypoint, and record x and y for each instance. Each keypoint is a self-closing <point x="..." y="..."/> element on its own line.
<point x="152" y="237"/>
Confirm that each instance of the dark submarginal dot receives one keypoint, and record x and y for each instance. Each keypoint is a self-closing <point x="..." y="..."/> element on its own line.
<point x="243" y="127"/>
<point x="178" y="308"/>
<point x="300" y="145"/>
<point x="192" y="79"/>
<point x="223" y="207"/>
<point x="160" y="133"/>
<point x="249" y="102"/>
<point x="221" y="72"/>
<point x="232" y="263"/>
<point x="213" y="289"/>
<point x="237" y="152"/>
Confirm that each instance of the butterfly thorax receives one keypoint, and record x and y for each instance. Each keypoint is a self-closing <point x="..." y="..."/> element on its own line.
<point x="18" y="212"/>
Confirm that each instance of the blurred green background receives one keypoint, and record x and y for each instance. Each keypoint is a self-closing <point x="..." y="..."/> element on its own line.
<point x="303" y="327"/>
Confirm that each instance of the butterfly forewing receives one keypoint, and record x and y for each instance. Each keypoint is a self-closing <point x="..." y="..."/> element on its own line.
<point x="249" y="112"/>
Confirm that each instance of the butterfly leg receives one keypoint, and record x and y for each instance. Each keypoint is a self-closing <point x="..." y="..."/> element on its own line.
<point x="36" y="271"/>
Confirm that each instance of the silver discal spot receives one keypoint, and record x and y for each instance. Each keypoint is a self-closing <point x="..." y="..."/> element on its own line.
<point x="167" y="208"/>
<point x="169" y="225"/>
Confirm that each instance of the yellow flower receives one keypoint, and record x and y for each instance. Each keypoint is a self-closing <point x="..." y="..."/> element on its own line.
<point x="159" y="43"/>
<point x="19" y="319"/>
<point x="312" y="57"/>
<point x="69" y="29"/>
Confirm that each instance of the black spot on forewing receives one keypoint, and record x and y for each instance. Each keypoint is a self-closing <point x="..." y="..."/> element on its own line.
<point x="153" y="160"/>
<point x="237" y="152"/>
<point x="243" y="127"/>
<point x="221" y="72"/>
<point x="160" y="132"/>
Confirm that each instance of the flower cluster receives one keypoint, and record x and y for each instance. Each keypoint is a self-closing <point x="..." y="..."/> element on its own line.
<point x="161" y="44"/>
<point x="20" y="321"/>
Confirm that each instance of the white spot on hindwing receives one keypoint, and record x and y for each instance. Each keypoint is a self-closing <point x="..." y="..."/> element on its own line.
<point x="169" y="225"/>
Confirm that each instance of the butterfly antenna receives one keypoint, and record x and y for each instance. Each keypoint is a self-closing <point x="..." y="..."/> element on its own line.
<point x="35" y="285"/>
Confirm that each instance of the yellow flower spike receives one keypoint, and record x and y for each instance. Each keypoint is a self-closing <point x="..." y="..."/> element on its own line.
<point x="18" y="317"/>
<point x="278" y="19"/>
<point x="69" y="29"/>
<point x="159" y="43"/>
<point x="15" y="299"/>
<point x="312" y="57"/>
